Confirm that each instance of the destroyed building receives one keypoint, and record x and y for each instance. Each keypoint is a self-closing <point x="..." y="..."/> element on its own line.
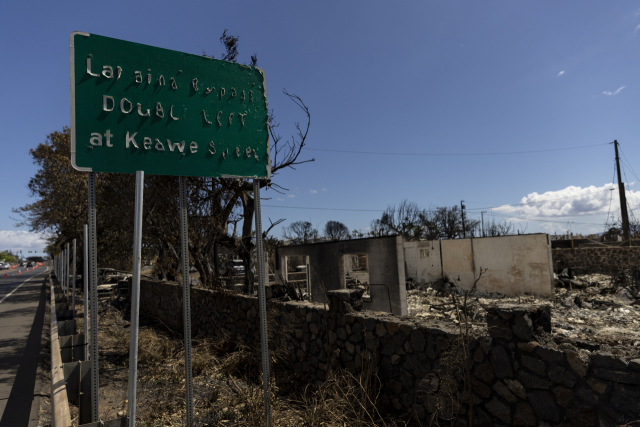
<point x="515" y="265"/>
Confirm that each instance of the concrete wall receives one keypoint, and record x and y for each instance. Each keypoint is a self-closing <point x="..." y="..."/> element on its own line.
<point x="327" y="267"/>
<point x="457" y="261"/>
<point x="423" y="259"/>
<point x="516" y="264"/>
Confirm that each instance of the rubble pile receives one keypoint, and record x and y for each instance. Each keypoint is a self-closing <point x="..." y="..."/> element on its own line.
<point x="591" y="312"/>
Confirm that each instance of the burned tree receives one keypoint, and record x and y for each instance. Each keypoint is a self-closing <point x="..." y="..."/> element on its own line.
<point x="336" y="230"/>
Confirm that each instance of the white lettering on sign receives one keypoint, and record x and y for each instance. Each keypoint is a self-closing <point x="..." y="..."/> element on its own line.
<point x="89" y="67"/>
<point x="138" y="76"/>
<point x="96" y="139"/>
<point x="194" y="83"/>
<point x="131" y="139"/>
<point x="212" y="147"/>
<point x="233" y="93"/>
<point x="159" y="110"/>
<point x="126" y="111"/>
<point x="146" y="142"/>
<point x="204" y="114"/>
<point x="140" y="111"/>
<point x="174" y="85"/>
<point x="221" y="92"/>
<point x="161" y="80"/>
<point x="105" y="103"/>
<point x="119" y="72"/>
<point x="178" y="145"/>
<point x="193" y="147"/>
<point x="149" y="77"/>
<point x="108" y="136"/>
<point x="171" y="114"/>
<point x="107" y="71"/>
<point x="159" y="145"/>
<point x="242" y="118"/>
<point x="230" y="118"/>
<point x="218" y="118"/>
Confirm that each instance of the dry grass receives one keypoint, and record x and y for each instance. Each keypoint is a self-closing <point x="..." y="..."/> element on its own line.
<point x="227" y="382"/>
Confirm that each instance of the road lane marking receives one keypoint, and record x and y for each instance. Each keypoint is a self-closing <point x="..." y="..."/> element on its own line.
<point x="10" y="293"/>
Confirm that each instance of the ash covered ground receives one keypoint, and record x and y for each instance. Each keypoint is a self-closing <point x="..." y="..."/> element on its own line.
<point x="592" y="312"/>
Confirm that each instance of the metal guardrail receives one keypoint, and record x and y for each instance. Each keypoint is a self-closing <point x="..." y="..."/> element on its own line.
<point x="60" y="414"/>
<point x="70" y="371"/>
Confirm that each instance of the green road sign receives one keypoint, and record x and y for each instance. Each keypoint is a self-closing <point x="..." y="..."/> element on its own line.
<point x="137" y="107"/>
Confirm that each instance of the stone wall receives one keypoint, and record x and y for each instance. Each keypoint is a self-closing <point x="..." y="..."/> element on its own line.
<point x="605" y="260"/>
<point x="519" y="376"/>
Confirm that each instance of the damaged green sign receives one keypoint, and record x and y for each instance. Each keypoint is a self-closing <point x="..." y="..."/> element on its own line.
<point x="137" y="107"/>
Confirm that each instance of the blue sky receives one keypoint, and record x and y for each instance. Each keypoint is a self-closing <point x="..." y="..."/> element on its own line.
<point x="407" y="78"/>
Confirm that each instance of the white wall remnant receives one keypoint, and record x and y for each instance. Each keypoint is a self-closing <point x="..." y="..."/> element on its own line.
<point x="515" y="264"/>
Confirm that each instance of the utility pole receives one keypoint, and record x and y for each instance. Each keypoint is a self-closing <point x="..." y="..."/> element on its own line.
<point x="623" y="201"/>
<point x="482" y="214"/>
<point x="464" y="229"/>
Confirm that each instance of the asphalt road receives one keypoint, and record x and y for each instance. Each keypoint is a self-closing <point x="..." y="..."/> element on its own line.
<point x="22" y="309"/>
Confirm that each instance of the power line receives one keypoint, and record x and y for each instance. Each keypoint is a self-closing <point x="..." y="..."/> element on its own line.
<point x="454" y="154"/>
<point x="325" y="209"/>
<point x="629" y="163"/>
<point x="624" y="172"/>
<point x="542" y="220"/>
<point x="380" y="210"/>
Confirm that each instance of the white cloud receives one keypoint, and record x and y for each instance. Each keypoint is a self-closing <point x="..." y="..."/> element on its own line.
<point x="282" y="200"/>
<point x="291" y="195"/>
<point x="560" y="73"/>
<point x="613" y="93"/>
<point x="571" y="201"/>
<point x="324" y="189"/>
<point x="16" y="240"/>
<point x="637" y="28"/>
<point x="313" y="191"/>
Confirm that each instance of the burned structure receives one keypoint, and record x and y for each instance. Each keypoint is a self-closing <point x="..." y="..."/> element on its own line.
<point x="515" y="265"/>
<point x="377" y="263"/>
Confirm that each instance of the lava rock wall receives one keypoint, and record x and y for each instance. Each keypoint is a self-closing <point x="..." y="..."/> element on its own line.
<point x="516" y="376"/>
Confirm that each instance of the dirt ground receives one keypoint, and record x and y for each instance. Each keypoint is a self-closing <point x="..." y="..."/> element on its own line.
<point x="594" y="312"/>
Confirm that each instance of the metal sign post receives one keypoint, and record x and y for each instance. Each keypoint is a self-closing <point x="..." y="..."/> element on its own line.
<point x="135" y="299"/>
<point x="62" y="257"/>
<point x="62" y="273"/>
<point x="93" y="298"/>
<point x="66" y="270"/>
<point x="186" y="297"/>
<point x="264" y="338"/>
<point x="85" y="280"/>
<point x="73" y="295"/>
